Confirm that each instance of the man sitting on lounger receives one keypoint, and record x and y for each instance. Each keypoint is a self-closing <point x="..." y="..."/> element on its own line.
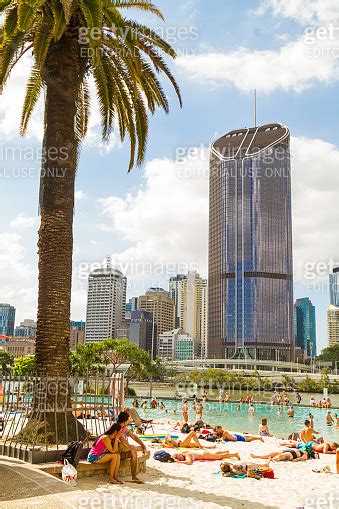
<point x="128" y="450"/>
<point x="291" y="454"/>
<point x="187" y="457"/>
<point x="234" y="437"/>
<point x="190" y="442"/>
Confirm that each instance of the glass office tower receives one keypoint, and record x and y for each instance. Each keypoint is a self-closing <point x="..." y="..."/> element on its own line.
<point x="250" y="245"/>
<point x="334" y="287"/>
<point x="305" y="326"/>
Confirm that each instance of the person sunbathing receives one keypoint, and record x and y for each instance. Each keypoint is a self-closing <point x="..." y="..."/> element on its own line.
<point x="291" y="454"/>
<point x="234" y="437"/>
<point x="324" y="448"/>
<point x="190" y="442"/>
<point x="187" y="457"/>
<point x="248" y="468"/>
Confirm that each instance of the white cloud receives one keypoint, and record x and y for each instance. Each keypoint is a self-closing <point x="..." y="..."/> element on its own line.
<point x="18" y="278"/>
<point x="315" y="184"/>
<point x="79" y="195"/>
<point x="22" y="222"/>
<point x="295" y="66"/>
<point x="166" y="221"/>
<point x="303" y="11"/>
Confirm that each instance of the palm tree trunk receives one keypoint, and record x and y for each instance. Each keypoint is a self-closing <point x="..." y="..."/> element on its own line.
<point x="62" y="74"/>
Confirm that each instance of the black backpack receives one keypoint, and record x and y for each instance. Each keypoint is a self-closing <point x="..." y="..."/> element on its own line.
<point x="186" y="428"/>
<point x="163" y="456"/>
<point x="72" y="454"/>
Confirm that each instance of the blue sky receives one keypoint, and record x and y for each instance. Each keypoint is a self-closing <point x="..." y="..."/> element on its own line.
<point x="156" y="216"/>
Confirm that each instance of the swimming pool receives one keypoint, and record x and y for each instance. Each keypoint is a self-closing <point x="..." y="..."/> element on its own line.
<point x="227" y="415"/>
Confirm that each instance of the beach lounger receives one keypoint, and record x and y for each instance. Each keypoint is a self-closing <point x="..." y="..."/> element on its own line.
<point x="143" y="424"/>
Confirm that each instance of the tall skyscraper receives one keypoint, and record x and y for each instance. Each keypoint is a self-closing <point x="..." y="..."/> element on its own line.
<point x="250" y="282"/>
<point x="176" y="293"/>
<point x="130" y="306"/>
<point x="333" y="325"/>
<point x="304" y="326"/>
<point x="142" y="329"/>
<point x="158" y="301"/>
<point x="7" y="319"/>
<point x="105" y="304"/>
<point x="334" y="287"/>
<point x="189" y="293"/>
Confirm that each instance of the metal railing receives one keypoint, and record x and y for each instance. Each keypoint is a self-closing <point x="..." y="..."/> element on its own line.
<point x="41" y="413"/>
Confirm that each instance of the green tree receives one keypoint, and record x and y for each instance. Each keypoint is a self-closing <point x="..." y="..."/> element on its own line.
<point x="121" y="352"/>
<point x="331" y="353"/>
<point x="6" y="362"/>
<point x="88" y="359"/>
<point x="24" y="365"/>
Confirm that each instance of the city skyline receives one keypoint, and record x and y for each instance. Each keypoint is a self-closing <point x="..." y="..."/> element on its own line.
<point x="134" y="216"/>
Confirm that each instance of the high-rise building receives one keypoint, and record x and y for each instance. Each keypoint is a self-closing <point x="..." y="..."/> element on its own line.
<point x="186" y="347"/>
<point x="176" y="293"/>
<point x="189" y="293"/>
<point x="105" y="304"/>
<point x="158" y="301"/>
<point x="304" y="326"/>
<point x="27" y="328"/>
<point x="7" y="319"/>
<point x="166" y="347"/>
<point x="141" y="330"/>
<point x="77" y="334"/>
<point x="334" y="287"/>
<point x="333" y="325"/>
<point x="250" y="281"/>
<point x="204" y="316"/>
<point x="177" y="345"/>
<point x="130" y="306"/>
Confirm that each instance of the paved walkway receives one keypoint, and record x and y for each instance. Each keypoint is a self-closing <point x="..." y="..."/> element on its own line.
<point x="22" y="486"/>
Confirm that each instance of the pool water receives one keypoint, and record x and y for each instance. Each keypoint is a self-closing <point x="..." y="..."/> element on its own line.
<point x="232" y="419"/>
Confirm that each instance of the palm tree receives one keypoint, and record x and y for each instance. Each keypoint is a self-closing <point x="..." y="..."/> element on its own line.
<point x="72" y="41"/>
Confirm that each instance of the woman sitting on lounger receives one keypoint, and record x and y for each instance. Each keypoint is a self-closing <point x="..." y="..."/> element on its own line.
<point x="187" y="457"/>
<point x="234" y="437"/>
<point x="190" y="442"/>
<point x="291" y="454"/>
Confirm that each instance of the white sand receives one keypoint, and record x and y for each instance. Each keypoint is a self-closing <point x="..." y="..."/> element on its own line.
<point x="174" y="486"/>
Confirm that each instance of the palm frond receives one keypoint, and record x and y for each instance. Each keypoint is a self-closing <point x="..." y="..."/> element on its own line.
<point x="59" y="19"/>
<point x="33" y="90"/>
<point x="8" y="49"/>
<point x="142" y="5"/>
<point x="83" y="104"/>
<point x="42" y="38"/>
<point x="27" y="10"/>
<point x="11" y="20"/>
